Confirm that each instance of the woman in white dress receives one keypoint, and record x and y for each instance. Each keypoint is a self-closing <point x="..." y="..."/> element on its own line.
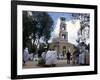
<point x="51" y="58"/>
<point x="26" y="55"/>
<point x="48" y="58"/>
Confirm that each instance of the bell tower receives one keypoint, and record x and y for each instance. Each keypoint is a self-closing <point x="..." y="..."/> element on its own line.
<point x="63" y="34"/>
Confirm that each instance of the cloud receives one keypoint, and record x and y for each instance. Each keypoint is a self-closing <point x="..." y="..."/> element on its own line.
<point x="72" y="29"/>
<point x="56" y="29"/>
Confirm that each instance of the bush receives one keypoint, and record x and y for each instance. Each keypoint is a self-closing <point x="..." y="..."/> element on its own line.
<point x="41" y="62"/>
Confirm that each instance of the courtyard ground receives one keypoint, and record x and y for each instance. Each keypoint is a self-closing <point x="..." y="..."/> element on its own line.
<point x="60" y="63"/>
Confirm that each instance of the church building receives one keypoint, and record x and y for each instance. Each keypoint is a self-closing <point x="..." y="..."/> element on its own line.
<point x="61" y="44"/>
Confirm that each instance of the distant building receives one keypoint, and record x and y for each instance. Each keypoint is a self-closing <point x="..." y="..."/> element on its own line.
<point x="60" y="44"/>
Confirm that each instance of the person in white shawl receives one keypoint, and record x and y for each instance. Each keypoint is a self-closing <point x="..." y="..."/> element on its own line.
<point x="48" y="58"/>
<point x="54" y="58"/>
<point x="26" y="55"/>
<point x="51" y="58"/>
<point x="82" y="56"/>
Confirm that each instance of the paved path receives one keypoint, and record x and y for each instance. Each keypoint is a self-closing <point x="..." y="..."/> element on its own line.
<point x="60" y="63"/>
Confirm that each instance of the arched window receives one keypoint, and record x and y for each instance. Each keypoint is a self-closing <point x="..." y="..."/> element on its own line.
<point x="63" y="36"/>
<point x="63" y="28"/>
<point x="64" y="50"/>
<point x="64" y="47"/>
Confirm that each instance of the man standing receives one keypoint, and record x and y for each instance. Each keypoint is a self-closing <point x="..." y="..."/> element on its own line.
<point x="82" y="56"/>
<point x="68" y="57"/>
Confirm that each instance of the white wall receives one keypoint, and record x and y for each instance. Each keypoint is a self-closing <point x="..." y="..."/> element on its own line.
<point x="5" y="29"/>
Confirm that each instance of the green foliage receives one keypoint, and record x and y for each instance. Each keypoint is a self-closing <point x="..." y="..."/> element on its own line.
<point x="41" y="62"/>
<point x="44" y="25"/>
<point x="76" y="50"/>
<point x="36" y="26"/>
<point x="41" y="49"/>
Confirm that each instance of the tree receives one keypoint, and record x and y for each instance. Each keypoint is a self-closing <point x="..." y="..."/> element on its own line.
<point x="37" y="27"/>
<point x="27" y="28"/>
<point x="83" y="33"/>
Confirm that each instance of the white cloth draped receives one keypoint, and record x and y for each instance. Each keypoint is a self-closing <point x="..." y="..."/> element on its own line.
<point x="26" y="55"/>
<point x="43" y="55"/>
<point x="81" y="58"/>
<point x="51" y="57"/>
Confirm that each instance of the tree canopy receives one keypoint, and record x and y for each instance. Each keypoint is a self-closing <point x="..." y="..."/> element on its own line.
<point x="83" y="33"/>
<point x="37" y="27"/>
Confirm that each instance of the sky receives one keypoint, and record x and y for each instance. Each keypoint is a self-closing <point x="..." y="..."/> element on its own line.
<point x="72" y="28"/>
<point x="56" y="15"/>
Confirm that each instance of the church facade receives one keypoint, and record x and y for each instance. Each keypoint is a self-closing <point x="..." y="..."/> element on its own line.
<point x="61" y="44"/>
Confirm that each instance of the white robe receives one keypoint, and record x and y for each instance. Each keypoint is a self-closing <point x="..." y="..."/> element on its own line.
<point x="26" y="55"/>
<point x="51" y="57"/>
<point x="31" y="56"/>
<point x="54" y="57"/>
<point x="81" y="58"/>
<point x="43" y="55"/>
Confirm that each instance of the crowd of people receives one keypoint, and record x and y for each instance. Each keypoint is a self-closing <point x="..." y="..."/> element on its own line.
<point x="50" y="57"/>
